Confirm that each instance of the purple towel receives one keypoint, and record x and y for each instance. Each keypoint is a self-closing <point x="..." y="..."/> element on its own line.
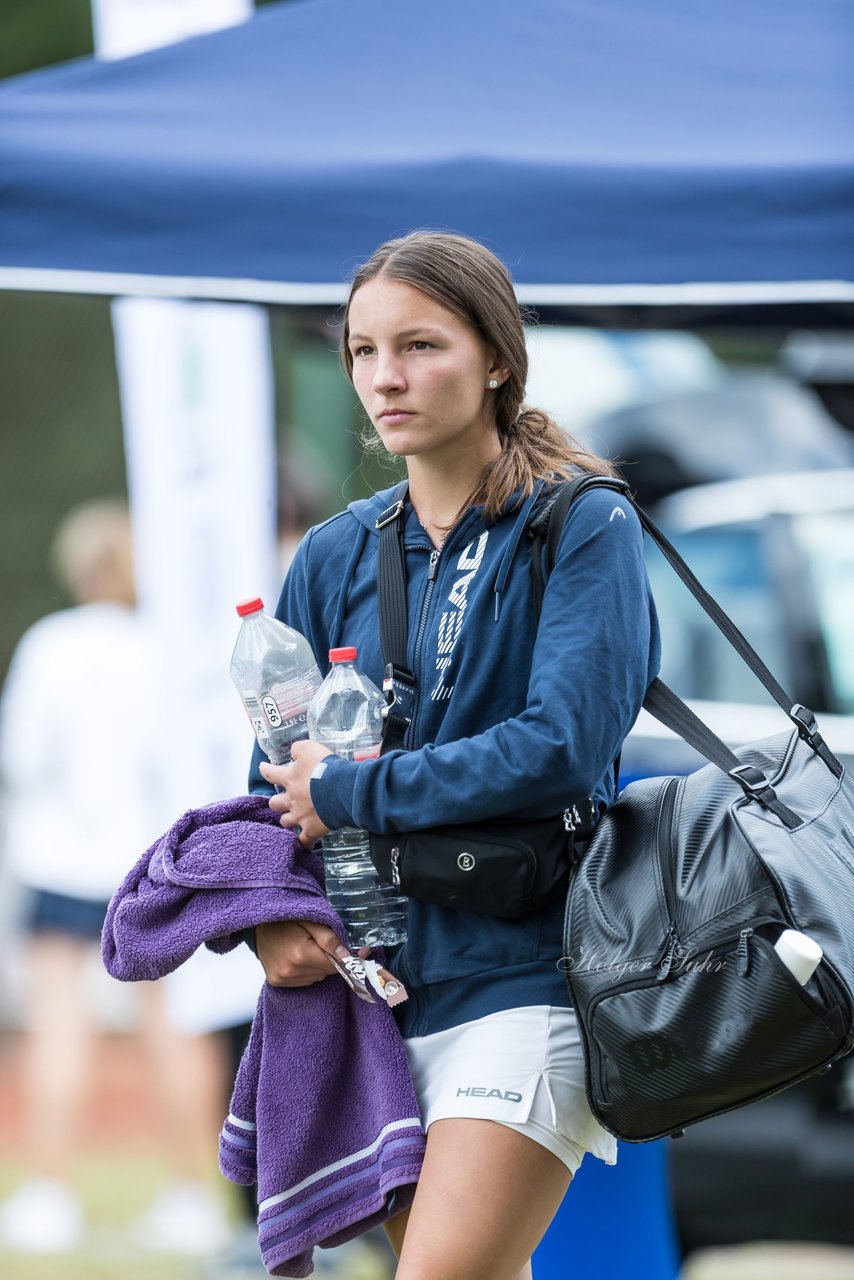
<point x="323" y="1115"/>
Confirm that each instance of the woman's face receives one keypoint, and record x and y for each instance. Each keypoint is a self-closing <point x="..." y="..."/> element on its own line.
<point x="421" y="373"/>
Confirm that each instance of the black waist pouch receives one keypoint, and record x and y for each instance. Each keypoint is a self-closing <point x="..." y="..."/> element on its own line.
<point x="493" y="868"/>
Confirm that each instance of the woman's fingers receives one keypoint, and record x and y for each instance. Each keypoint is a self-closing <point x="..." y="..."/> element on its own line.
<point x="293" y="802"/>
<point x="295" y="953"/>
<point x="325" y="938"/>
<point x="276" y="774"/>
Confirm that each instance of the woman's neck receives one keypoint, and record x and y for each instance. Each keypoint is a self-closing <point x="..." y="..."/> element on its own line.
<point x="440" y="488"/>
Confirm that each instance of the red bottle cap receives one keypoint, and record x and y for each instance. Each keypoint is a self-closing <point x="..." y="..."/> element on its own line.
<point x="245" y="607"/>
<point x="342" y="655"/>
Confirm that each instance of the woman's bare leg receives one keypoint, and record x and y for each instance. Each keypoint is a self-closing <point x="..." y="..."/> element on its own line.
<point x="189" y="1076"/>
<point x="57" y="1053"/>
<point x="485" y="1198"/>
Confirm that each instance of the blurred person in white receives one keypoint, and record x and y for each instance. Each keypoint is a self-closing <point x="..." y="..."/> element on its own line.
<point x="79" y="700"/>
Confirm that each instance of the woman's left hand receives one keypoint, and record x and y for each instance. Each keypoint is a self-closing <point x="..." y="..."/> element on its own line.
<point x="294" y="802"/>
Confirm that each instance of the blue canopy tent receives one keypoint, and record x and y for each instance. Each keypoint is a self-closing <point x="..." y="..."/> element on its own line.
<point x="615" y="155"/>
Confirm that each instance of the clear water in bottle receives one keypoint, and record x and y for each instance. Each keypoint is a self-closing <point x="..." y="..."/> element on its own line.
<point x="276" y="676"/>
<point x="345" y="715"/>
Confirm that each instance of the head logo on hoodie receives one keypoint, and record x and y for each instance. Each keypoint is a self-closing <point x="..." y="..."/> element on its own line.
<point x="451" y="620"/>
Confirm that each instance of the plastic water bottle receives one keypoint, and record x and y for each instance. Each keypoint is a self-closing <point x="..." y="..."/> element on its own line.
<point x="345" y="715"/>
<point x="276" y="675"/>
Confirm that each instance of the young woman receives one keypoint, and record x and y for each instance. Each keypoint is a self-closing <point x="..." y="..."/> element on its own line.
<point x="513" y="718"/>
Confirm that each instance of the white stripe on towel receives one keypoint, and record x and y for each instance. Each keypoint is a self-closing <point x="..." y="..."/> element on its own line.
<point x="241" y="1124"/>
<point x="414" y="1122"/>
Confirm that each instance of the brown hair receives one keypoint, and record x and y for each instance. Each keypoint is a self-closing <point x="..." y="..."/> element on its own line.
<point x="464" y="276"/>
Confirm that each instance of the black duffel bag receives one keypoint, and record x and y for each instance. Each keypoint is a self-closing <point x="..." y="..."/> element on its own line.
<point x="685" y="1008"/>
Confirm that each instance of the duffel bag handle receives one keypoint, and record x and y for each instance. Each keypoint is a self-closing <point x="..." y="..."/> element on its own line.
<point x="660" y="701"/>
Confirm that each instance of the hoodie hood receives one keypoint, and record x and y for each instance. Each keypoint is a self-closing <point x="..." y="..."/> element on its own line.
<point x="368" y="510"/>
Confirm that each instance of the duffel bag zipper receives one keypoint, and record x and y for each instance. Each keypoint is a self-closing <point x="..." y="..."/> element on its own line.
<point x="665" y="817"/>
<point x="743" y="960"/>
<point x="672" y="945"/>
<point x="724" y="946"/>
<point x="668" y="954"/>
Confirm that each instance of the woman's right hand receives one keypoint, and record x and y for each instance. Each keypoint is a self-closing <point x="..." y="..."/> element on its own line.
<point x="295" y="953"/>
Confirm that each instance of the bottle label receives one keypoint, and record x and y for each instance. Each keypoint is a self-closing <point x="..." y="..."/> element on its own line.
<point x="285" y="705"/>
<point x="271" y="711"/>
<point x="256" y="719"/>
<point x="294" y="725"/>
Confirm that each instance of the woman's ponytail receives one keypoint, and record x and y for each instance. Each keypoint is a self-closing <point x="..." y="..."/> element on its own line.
<point x="533" y="447"/>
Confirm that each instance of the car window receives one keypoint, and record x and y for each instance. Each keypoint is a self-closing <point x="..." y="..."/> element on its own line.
<point x="827" y="544"/>
<point x="697" y="662"/>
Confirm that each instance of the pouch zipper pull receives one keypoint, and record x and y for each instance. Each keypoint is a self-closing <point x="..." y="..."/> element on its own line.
<point x="571" y="818"/>
<point x="669" y="956"/>
<point x="431" y="566"/>
<point x="395" y="870"/>
<point x="743" y="960"/>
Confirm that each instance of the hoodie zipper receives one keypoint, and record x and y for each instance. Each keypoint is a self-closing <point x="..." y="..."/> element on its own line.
<point x="432" y="574"/>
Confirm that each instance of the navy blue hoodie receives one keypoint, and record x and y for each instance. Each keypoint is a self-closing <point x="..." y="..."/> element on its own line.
<point x="512" y="718"/>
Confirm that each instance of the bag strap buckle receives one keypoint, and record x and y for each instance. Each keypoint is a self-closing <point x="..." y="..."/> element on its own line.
<point x="579" y="822"/>
<point x="756" y="786"/>
<point x="397" y="681"/>
<point x="399" y="688"/>
<point x="752" y="781"/>
<point x="807" y="725"/>
<point x="390" y="514"/>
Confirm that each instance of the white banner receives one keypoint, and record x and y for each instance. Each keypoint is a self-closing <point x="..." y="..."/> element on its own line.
<point x="197" y="405"/>
<point x="125" y="27"/>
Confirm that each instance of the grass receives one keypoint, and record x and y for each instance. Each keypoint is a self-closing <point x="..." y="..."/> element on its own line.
<point x="113" y="1188"/>
<point x="116" y="1186"/>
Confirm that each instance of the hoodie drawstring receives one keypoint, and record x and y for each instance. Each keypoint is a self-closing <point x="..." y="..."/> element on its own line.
<point x="507" y="559"/>
<point x="338" y="621"/>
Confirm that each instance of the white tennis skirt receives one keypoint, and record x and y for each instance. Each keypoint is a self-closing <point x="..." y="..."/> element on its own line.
<point x="523" y="1068"/>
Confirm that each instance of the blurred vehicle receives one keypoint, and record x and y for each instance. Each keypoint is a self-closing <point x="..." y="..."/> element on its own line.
<point x="669" y="413"/>
<point x="824" y="362"/>
<point x="777" y="552"/>
<point x="749" y="423"/>
<point x="581" y="375"/>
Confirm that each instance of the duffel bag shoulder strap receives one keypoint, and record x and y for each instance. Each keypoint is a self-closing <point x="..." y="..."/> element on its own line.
<point x="661" y="701"/>
<point x="398" y="680"/>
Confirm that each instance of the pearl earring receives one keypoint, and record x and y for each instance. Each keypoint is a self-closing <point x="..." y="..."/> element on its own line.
<point x="493" y="383"/>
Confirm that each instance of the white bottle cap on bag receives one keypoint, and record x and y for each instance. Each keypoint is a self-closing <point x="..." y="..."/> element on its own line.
<point x="799" y="953"/>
